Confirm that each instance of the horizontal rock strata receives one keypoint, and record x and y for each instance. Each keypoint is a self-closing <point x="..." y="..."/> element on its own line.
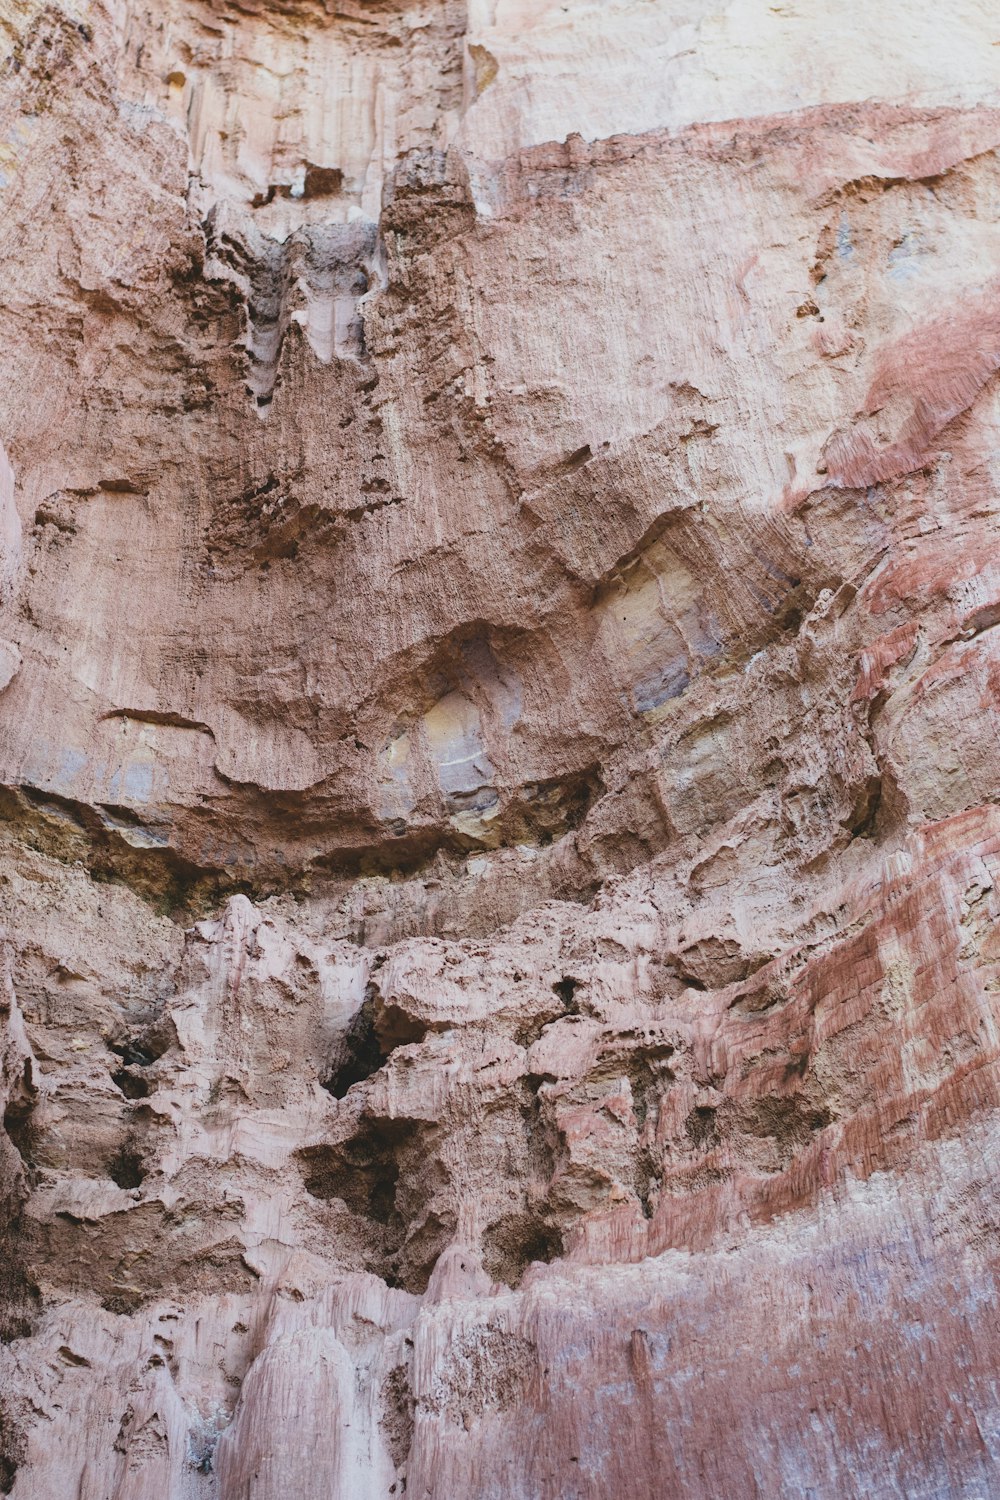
<point x="499" y="830"/>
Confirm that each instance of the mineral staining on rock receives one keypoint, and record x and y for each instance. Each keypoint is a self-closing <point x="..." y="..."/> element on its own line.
<point x="500" y="849"/>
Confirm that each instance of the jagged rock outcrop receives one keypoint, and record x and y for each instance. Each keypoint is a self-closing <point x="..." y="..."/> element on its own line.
<point x="500" y="848"/>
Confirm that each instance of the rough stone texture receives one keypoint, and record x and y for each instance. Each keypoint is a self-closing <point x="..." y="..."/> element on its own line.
<point x="500" y="857"/>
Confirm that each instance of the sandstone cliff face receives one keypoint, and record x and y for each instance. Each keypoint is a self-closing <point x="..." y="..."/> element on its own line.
<point x="498" y="761"/>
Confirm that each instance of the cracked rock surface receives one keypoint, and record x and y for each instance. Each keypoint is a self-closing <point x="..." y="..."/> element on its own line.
<point x="499" y="827"/>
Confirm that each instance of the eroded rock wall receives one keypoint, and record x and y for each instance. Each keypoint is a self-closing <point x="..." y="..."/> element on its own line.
<point x="498" y="763"/>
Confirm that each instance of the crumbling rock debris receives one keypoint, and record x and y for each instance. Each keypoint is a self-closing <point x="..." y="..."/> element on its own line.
<point x="499" y="832"/>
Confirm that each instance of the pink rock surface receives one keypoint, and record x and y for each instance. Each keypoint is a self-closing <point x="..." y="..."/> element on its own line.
<point x="499" y="846"/>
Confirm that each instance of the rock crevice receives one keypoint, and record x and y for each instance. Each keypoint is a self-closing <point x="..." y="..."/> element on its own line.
<point x="499" y="834"/>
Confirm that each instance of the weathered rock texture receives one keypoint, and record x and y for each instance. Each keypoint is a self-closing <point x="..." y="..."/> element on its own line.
<point x="498" y="749"/>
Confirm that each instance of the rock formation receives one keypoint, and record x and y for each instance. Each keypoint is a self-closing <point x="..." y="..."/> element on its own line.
<point x="499" y="771"/>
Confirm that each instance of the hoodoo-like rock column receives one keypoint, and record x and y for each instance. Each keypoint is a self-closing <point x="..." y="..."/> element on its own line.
<point x="499" y="827"/>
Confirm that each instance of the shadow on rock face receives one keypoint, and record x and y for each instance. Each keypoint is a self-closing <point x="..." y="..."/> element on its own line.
<point x="12" y="1448"/>
<point x="386" y="1174"/>
<point x="513" y="1243"/>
